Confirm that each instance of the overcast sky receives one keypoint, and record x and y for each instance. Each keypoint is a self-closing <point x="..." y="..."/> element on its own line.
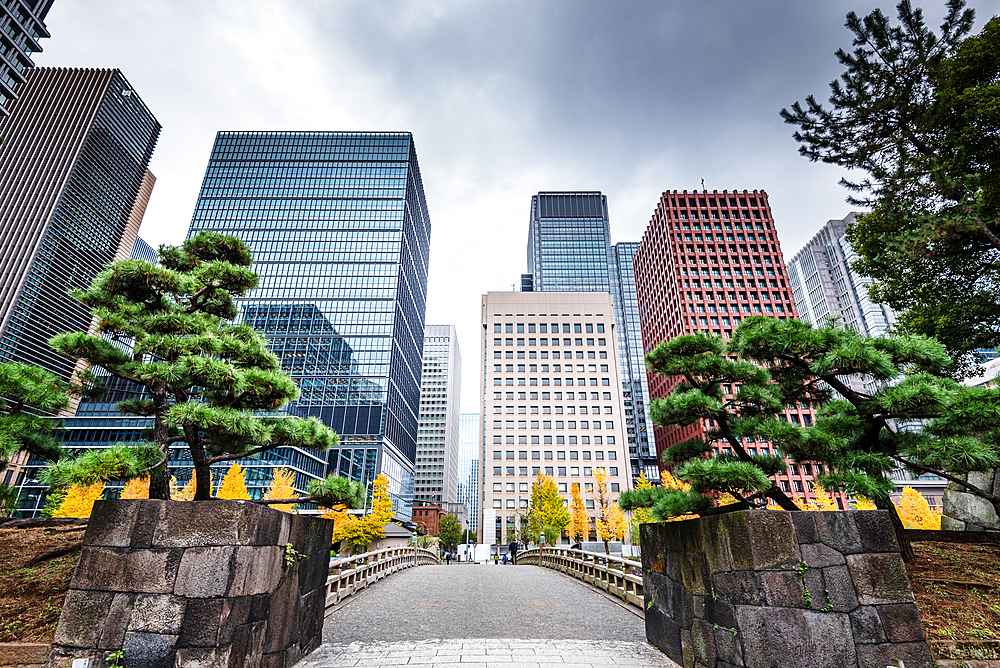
<point x="504" y="99"/>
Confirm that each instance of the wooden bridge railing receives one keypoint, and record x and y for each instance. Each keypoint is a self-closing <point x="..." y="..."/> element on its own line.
<point x="349" y="575"/>
<point x="617" y="576"/>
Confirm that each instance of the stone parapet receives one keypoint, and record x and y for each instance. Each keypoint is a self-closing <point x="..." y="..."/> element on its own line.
<point x="206" y="583"/>
<point x="763" y="588"/>
<point x="967" y="512"/>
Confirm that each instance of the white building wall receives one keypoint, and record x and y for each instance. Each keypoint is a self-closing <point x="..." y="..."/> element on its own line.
<point x="551" y="401"/>
<point x="436" y="473"/>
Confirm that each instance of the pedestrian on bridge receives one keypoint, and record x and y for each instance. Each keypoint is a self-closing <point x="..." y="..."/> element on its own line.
<point x="447" y="559"/>
<point x="514" y="546"/>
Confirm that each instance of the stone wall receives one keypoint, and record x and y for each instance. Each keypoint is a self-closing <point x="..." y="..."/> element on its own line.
<point x="967" y="512"/>
<point x="767" y="588"/>
<point x="207" y="583"/>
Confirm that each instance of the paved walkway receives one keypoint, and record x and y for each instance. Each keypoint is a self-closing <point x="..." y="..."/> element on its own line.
<point x="483" y="616"/>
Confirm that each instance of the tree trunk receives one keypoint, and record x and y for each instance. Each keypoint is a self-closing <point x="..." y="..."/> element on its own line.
<point x="781" y="498"/>
<point x="159" y="476"/>
<point x="905" y="547"/>
<point x="202" y="469"/>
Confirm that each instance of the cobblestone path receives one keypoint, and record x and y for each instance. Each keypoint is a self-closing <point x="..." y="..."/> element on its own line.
<point x="483" y="616"/>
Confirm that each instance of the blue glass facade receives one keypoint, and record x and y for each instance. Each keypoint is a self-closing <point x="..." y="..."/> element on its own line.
<point x="570" y="250"/>
<point x="340" y="234"/>
<point x="470" y="488"/>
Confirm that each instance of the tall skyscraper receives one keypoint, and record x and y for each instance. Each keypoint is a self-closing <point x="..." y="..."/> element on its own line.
<point x="470" y="486"/>
<point x="438" y="432"/>
<point x="569" y="249"/>
<point x="552" y="400"/>
<point x="706" y="261"/>
<point x="340" y="234"/>
<point x="824" y="285"/>
<point x="22" y="25"/>
<point x="78" y="142"/>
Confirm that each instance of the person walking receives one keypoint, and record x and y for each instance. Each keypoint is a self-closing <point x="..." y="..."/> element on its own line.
<point x="447" y="559"/>
<point x="496" y="559"/>
<point x="514" y="546"/>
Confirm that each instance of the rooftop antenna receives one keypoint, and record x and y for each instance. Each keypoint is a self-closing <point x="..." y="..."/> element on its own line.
<point x="703" y="184"/>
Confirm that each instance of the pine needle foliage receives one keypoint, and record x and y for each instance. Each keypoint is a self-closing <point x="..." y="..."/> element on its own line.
<point x="704" y="367"/>
<point x="208" y="383"/>
<point x="858" y="435"/>
<point x="915" y="111"/>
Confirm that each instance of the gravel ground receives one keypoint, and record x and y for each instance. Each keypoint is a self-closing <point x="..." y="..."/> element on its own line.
<point x="480" y="601"/>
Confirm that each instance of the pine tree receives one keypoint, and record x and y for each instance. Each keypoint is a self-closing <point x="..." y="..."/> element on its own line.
<point x="579" y="524"/>
<point x="857" y="435"/>
<point x="916" y="113"/>
<point x="282" y="487"/>
<point x="136" y="488"/>
<point x="610" y="521"/>
<point x="209" y="384"/>
<point x="79" y="500"/>
<point x="234" y="484"/>
<point x="26" y="394"/>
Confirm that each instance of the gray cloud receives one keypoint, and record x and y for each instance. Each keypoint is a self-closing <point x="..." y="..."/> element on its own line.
<point x="504" y="99"/>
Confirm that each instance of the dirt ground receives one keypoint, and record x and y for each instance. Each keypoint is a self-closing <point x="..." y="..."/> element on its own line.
<point x="957" y="587"/>
<point x="32" y="598"/>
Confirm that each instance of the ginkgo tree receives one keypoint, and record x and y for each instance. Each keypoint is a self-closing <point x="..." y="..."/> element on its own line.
<point x="579" y="524"/>
<point x="610" y="522"/>
<point x="547" y="513"/>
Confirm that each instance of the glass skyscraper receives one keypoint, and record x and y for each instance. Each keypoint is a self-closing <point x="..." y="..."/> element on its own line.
<point x="470" y="489"/>
<point x="73" y="183"/>
<point x="340" y="235"/>
<point x="570" y="250"/>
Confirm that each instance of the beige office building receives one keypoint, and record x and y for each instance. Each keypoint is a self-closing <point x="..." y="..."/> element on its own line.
<point x="552" y="400"/>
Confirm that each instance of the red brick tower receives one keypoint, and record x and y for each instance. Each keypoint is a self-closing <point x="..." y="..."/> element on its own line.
<point x="707" y="261"/>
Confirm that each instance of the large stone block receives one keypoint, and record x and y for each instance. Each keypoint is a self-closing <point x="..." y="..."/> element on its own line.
<point x="820" y="555"/>
<point x="840" y="591"/>
<point x="737" y="528"/>
<point x="913" y="655"/>
<point x="880" y="578"/>
<point x="202" y="618"/>
<point x="116" y="622"/>
<point x="805" y="527"/>
<point x="111" y="523"/>
<point x="309" y="535"/>
<point x="772" y="537"/>
<point x="152" y="570"/>
<point x="715" y="541"/>
<point x="783" y="589"/>
<point x="867" y="626"/>
<point x="902" y="622"/>
<point x="836" y="528"/>
<point x="695" y="574"/>
<point x="82" y="617"/>
<point x="203" y="657"/>
<point x="283" y="617"/>
<point x="258" y="569"/>
<point x="100" y="568"/>
<point x="207" y="523"/>
<point x="157" y="613"/>
<point x="235" y="613"/>
<point x="876" y="531"/>
<point x="204" y="571"/>
<point x="149" y="650"/>
<point x="146" y="521"/>
<point x="727" y="647"/>
<point x="248" y="645"/>
<point x="703" y="642"/>
<point x="739" y="588"/>
<point x="313" y="571"/>
<point x="664" y="633"/>
<point x="790" y="638"/>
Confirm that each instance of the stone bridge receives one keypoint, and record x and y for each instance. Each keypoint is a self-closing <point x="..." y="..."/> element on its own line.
<point x="484" y="616"/>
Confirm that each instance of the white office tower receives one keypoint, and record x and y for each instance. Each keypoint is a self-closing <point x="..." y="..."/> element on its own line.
<point x="436" y="476"/>
<point x="552" y="401"/>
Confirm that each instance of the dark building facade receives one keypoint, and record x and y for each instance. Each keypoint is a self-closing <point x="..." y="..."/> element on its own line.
<point x="78" y="142"/>
<point x="340" y="233"/>
<point x="570" y="250"/>
<point x="707" y="261"/>
<point x="22" y="25"/>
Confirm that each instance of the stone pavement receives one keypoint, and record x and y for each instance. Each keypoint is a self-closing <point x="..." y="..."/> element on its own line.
<point x="483" y="616"/>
